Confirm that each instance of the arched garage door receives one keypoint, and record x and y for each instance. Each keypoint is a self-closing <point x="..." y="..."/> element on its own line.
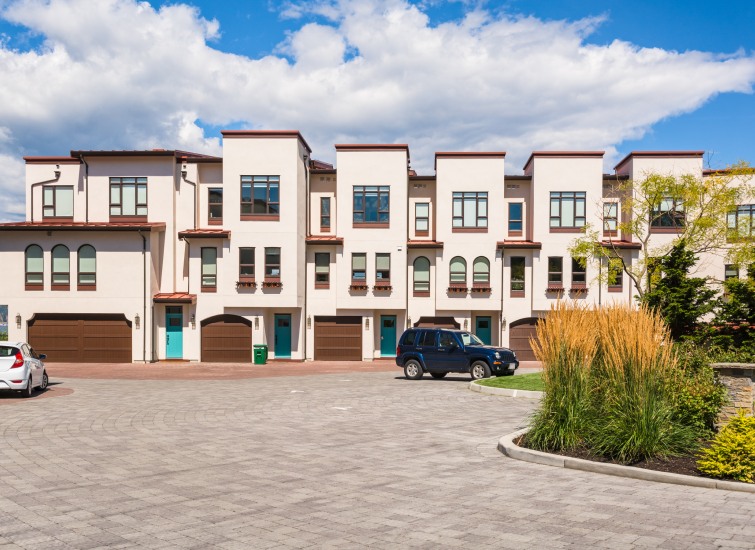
<point x="519" y="338"/>
<point x="82" y="337"/>
<point x="226" y="339"/>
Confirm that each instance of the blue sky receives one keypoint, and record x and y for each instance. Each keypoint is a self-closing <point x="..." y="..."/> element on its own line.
<point x="440" y="75"/>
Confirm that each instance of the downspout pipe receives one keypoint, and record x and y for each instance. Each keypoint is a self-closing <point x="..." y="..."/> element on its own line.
<point x="144" y="290"/>
<point x="86" y="188"/>
<point x="33" y="185"/>
<point x="306" y="234"/>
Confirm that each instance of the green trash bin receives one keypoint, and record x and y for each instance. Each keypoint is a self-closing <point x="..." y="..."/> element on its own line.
<point x="260" y="354"/>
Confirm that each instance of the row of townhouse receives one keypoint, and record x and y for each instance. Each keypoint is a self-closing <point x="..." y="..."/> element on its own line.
<point x="158" y="255"/>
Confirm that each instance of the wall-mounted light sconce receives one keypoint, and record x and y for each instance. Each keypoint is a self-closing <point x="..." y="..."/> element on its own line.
<point x="57" y="171"/>
<point x="503" y="324"/>
<point x="184" y="171"/>
<point x="256" y="323"/>
<point x="408" y="322"/>
<point x="18" y="320"/>
<point x="309" y="322"/>
<point x="137" y="321"/>
<point x="466" y="324"/>
<point x="193" y="321"/>
<point x="367" y="323"/>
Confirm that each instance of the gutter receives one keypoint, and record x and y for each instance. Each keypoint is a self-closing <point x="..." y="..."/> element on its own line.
<point x="144" y="290"/>
<point x="306" y="270"/>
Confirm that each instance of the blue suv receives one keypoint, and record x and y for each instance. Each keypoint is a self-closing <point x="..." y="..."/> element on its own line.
<point x="440" y="351"/>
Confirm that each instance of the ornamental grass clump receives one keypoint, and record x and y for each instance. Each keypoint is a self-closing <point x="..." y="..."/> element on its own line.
<point x="565" y="345"/>
<point x="634" y="381"/>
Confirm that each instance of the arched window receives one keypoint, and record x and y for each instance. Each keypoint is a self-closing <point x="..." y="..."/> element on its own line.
<point x="61" y="266"/>
<point x="87" y="266"/>
<point x="481" y="271"/>
<point x="458" y="271"/>
<point x="35" y="266"/>
<point x="422" y="275"/>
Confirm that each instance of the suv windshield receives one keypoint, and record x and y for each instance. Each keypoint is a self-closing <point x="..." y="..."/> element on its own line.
<point x="470" y="339"/>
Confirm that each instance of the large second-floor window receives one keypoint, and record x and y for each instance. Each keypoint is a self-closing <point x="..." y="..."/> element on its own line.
<point x="372" y="204"/>
<point x="273" y="263"/>
<point x="322" y="269"/>
<point x="422" y="218"/>
<point x="128" y="196"/>
<point x="246" y="264"/>
<point x="215" y="205"/>
<point x="35" y="267"/>
<point x="209" y="269"/>
<point x="422" y="276"/>
<point x="517" y="275"/>
<point x="87" y="273"/>
<point x="470" y="210"/>
<point x="57" y="201"/>
<point x="516" y="210"/>
<point x="741" y="222"/>
<point x="61" y="267"/>
<point x="567" y="209"/>
<point x="669" y="213"/>
<point x="260" y="196"/>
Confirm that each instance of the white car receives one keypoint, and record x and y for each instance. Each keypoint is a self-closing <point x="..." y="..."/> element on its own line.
<point x="21" y="369"/>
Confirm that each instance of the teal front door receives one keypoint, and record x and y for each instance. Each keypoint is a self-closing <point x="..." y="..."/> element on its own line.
<point x="388" y="336"/>
<point x="282" y="335"/>
<point x="483" y="330"/>
<point x="174" y="332"/>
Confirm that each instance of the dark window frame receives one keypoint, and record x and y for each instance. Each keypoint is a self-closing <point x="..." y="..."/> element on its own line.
<point x="215" y="206"/>
<point x="516" y="221"/>
<point x="60" y="280"/>
<point x="380" y="274"/>
<point x="419" y="286"/>
<point x="265" y="210"/>
<point x="558" y="199"/>
<point x="517" y="286"/>
<point x="459" y="282"/>
<point x="139" y="183"/>
<point x="34" y="284"/>
<point x="555" y="272"/>
<point x="356" y="271"/>
<point x="270" y="266"/>
<point x="417" y="219"/>
<point x="475" y="273"/>
<point x="209" y="280"/>
<point x="54" y="206"/>
<point x="81" y="283"/>
<point x="247" y="270"/>
<point x="672" y="218"/>
<point x="325" y="214"/>
<point x="615" y="271"/>
<point x="480" y="220"/>
<point x="382" y="214"/>
<point x="578" y="274"/>
<point x="742" y="211"/>
<point x="610" y="216"/>
<point x="322" y="278"/>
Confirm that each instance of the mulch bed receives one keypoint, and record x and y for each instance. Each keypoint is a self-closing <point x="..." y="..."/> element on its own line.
<point x="685" y="465"/>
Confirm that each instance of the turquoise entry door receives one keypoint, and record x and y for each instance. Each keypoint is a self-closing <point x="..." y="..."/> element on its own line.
<point x="282" y="335"/>
<point x="174" y="333"/>
<point x="483" y="329"/>
<point x="388" y="336"/>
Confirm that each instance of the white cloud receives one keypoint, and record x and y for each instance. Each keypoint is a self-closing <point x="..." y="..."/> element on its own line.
<point x="118" y="74"/>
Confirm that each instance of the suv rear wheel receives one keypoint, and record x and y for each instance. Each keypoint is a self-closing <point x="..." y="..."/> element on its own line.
<point x="479" y="370"/>
<point x="413" y="370"/>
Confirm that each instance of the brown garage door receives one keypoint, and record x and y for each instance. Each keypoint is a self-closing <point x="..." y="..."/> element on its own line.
<point x="83" y="338"/>
<point x="338" y="338"/>
<point x="227" y="339"/>
<point x="519" y="339"/>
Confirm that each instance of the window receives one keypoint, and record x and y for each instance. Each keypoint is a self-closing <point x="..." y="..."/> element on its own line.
<point x="87" y="257"/>
<point x="741" y="222"/>
<point x="731" y="271"/>
<point x="246" y="264"/>
<point x="61" y="267"/>
<point x="34" y="267"/>
<point x="273" y="263"/>
<point x="517" y="276"/>
<point x="481" y="272"/>
<point x="470" y="210"/>
<point x="421" y="276"/>
<point x="458" y="271"/>
<point x="555" y="272"/>
<point x="428" y="338"/>
<point x="325" y="213"/>
<point x="578" y="273"/>
<point x="615" y="274"/>
<point x="610" y="218"/>
<point x="57" y="201"/>
<point x="128" y="197"/>
<point x="446" y="339"/>
<point x="409" y="338"/>
<point x="568" y="209"/>
<point x="422" y="218"/>
<point x="359" y="268"/>
<point x="322" y="269"/>
<point x="215" y="205"/>
<point x="382" y="268"/>
<point x="260" y="196"/>
<point x="209" y="269"/>
<point x="372" y="204"/>
<point x="668" y="214"/>
<point x="515" y="218"/>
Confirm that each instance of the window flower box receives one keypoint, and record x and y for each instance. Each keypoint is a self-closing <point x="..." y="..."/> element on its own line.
<point x="358" y="286"/>
<point x="382" y="287"/>
<point x="457" y="289"/>
<point x="272" y="284"/>
<point x="483" y="289"/>
<point x="555" y="287"/>
<point x="246" y="284"/>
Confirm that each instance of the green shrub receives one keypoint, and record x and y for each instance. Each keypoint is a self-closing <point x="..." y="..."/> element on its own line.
<point x="732" y="453"/>
<point x="3" y="336"/>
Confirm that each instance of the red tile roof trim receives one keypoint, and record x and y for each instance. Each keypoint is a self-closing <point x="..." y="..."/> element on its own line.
<point x="174" y="298"/>
<point x="52" y="160"/>
<point x="205" y="233"/>
<point x="82" y="226"/>
<point x="534" y="245"/>
<point x="324" y="239"/>
<point x="623" y="245"/>
<point x="371" y="146"/>
<point x="424" y="244"/>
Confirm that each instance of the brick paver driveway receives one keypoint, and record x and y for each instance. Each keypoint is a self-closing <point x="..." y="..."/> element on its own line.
<point x="343" y="460"/>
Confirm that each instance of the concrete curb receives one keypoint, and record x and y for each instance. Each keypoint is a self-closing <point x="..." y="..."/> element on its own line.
<point x="474" y="386"/>
<point x="507" y="446"/>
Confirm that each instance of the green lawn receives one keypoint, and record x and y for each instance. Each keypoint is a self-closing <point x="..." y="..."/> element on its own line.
<point x="532" y="382"/>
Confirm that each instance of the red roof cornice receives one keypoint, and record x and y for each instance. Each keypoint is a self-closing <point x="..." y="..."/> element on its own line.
<point x="51" y="160"/>
<point x="205" y="234"/>
<point x="424" y="244"/>
<point x="174" y="298"/>
<point x="324" y="239"/>
<point x="519" y="245"/>
<point x="622" y="245"/>
<point x="82" y="226"/>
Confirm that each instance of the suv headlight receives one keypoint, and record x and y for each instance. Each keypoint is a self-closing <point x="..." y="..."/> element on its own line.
<point x="497" y="355"/>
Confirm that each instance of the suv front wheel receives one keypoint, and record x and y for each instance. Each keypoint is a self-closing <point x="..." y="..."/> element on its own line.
<point x="480" y="370"/>
<point x="413" y="370"/>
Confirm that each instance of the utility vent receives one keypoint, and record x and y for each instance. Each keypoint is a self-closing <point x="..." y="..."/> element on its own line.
<point x="420" y="185"/>
<point x="327" y="179"/>
<point x="512" y="186"/>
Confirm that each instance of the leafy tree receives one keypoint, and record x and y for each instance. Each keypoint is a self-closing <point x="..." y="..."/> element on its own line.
<point x="734" y="323"/>
<point x="680" y="299"/>
<point x="697" y="208"/>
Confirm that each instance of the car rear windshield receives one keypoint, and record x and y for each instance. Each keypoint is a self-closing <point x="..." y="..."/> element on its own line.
<point x="8" y="351"/>
<point x="470" y="339"/>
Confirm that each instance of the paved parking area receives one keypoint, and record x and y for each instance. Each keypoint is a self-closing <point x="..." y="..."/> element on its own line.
<point x="345" y="460"/>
